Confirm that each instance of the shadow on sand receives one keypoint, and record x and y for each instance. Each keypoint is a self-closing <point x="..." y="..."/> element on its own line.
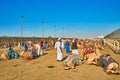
<point x="64" y="58"/>
<point x="44" y="54"/>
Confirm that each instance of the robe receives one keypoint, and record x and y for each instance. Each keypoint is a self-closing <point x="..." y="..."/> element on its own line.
<point x="74" y="48"/>
<point x="23" y="47"/>
<point x="67" y="47"/>
<point x="41" y="44"/>
<point x="39" y="49"/>
<point x="58" y="46"/>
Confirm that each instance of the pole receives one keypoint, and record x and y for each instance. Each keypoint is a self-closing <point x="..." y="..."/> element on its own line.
<point x="42" y="28"/>
<point x="63" y="32"/>
<point x="21" y="28"/>
<point x="55" y="31"/>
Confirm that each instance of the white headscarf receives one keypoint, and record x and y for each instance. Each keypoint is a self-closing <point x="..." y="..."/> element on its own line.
<point x="59" y="38"/>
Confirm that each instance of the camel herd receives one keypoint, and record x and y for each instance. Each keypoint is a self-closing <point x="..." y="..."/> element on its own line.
<point x="89" y="53"/>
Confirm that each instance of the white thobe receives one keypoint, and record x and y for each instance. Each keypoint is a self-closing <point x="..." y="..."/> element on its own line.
<point x="39" y="49"/>
<point x="75" y="51"/>
<point x="59" y="51"/>
<point x="62" y="45"/>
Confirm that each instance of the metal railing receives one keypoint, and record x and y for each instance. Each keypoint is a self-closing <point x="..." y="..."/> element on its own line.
<point x="8" y="44"/>
<point x="114" y="45"/>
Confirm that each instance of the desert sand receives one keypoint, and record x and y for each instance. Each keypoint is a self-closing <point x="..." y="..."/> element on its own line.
<point x="47" y="68"/>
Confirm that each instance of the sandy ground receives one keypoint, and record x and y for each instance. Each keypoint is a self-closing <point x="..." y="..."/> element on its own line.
<point x="19" y="69"/>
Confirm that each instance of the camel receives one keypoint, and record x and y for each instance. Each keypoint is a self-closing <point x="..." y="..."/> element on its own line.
<point x="109" y="64"/>
<point x="4" y="56"/>
<point x="71" y="61"/>
<point x="93" y="57"/>
<point x="90" y="53"/>
<point x="10" y="54"/>
<point x="29" y="54"/>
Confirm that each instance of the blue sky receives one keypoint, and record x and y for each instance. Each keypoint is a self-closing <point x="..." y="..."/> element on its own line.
<point x="79" y="18"/>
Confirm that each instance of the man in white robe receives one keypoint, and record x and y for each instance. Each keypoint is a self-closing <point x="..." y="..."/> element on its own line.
<point x="39" y="49"/>
<point x="62" y="44"/>
<point x="58" y="46"/>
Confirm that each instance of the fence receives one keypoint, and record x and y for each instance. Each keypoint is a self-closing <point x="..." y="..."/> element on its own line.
<point x="114" y="45"/>
<point x="13" y="41"/>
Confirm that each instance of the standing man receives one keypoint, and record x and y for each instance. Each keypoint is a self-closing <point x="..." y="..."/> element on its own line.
<point x="58" y="46"/>
<point x="41" y="43"/>
<point x="102" y="43"/>
<point x="62" y="45"/>
<point x="74" y="47"/>
<point x="67" y="44"/>
<point x="23" y="46"/>
<point x="39" y="49"/>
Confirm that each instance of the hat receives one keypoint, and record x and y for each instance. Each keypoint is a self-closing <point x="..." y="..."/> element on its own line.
<point x="59" y="38"/>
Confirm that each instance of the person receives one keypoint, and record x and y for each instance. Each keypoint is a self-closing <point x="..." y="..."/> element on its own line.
<point x="45" y="45"/>
<point x="12" y="54"/>
<point x="74" y="47"/>
<point x="62" y="45"/>
<point x="19" y="44"/>
<point x="67" y="44"/>
<point x="32" y="50"/>
<point x="5" y="46"/>
<point x="39" y="49"/>
<point x="23" y="46"/>
<point x="41" y="43"/>
<point x="102" y="43"/>
<point x="58" y="46"/>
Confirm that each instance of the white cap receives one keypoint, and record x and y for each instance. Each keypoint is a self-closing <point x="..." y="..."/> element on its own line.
<point x="59" y="38"/>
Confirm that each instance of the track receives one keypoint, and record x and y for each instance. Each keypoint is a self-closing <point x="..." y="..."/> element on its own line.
<point x="47" y="68"/>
